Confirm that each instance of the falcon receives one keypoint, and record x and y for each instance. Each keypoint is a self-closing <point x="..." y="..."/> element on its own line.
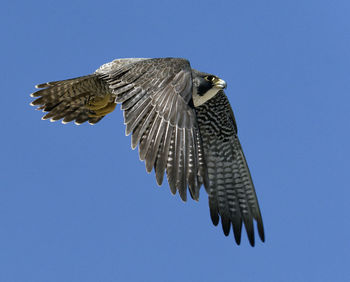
<point x="181" y="121"/>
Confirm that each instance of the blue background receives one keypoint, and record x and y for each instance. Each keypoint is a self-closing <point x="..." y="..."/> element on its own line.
<point x="77" y="205"/>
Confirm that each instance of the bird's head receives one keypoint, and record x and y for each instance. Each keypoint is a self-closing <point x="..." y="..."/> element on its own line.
<point x="205" y="87"/>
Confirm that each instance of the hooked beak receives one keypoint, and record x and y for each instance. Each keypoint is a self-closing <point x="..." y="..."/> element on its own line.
<point x="220" y="83"/>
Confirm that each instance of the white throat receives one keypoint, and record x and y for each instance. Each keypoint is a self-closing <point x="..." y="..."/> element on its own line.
<point x="199" y="100"/>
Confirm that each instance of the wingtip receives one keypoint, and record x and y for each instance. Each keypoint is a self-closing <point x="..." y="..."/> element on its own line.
<point x="237" y="229"/>
<point x="261" y="232"/>
<point x="196" y="199"/>
<point x="159" y="177"/>
<point x="194" y="192"/>
<point x="251" y="238"/>
<point x="127" y="131"/>
<point x="183" y="196"/>
<point x="238" y="240"/>
<point x="173" y="192"/>
<point x="226" y="225"/>
<point x="214" y="217"/>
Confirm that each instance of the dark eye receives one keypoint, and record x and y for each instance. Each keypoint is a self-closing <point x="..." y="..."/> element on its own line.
<point x="210" y="78"/>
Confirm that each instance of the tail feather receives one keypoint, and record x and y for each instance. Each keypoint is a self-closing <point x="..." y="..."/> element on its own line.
<point x="73" y="99"/>
<point x="53" y="83"/>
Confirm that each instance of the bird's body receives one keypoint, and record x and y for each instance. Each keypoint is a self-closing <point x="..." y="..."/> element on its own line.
<point x="183" y="123"/>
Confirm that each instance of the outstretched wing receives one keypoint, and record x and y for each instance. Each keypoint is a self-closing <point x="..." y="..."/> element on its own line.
<point x="231" y="190"/>
<point x="156" y="96"/>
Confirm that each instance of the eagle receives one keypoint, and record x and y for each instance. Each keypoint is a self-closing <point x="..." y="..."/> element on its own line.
<point x="181" y="121"/>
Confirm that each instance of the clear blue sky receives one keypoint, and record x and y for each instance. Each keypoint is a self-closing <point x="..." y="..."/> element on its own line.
<point x="77" y="205"/>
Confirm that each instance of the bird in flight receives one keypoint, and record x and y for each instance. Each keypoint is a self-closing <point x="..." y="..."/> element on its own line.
<point x="182" y="122"/>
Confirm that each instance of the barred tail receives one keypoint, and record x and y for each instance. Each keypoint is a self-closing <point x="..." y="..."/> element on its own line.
<point x="73" y="99"/>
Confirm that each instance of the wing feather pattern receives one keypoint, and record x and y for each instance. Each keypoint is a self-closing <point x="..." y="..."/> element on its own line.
<point x="231" y="191"/>
<point x="68" y="99"/>
<point x="156" y="96"/>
